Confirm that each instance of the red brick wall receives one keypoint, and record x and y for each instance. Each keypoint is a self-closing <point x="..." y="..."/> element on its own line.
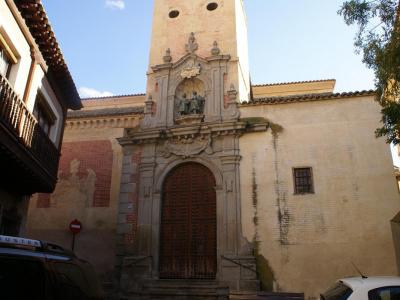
<point x="95" y="155"/>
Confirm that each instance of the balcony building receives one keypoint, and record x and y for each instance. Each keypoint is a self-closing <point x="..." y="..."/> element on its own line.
<point x="36" y="90"/>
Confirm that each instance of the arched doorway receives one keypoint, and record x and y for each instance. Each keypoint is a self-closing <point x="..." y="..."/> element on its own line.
<point x="188" y="242"/>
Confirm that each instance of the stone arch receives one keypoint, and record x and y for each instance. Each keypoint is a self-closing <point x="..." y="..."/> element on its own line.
<point x="163" y="173"/>
<point x="176" y="81"/>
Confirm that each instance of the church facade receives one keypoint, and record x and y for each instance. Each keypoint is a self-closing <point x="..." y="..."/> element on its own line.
<point x="206" y="180"/>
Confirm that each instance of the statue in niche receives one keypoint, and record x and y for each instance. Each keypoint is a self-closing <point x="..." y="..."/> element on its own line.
<point x="196" y="104"/>
<point x="190" y="101"/>
<point x="184" y="105"/>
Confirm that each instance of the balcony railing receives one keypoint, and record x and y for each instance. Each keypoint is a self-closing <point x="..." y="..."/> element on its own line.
<point x="15" y="116"/>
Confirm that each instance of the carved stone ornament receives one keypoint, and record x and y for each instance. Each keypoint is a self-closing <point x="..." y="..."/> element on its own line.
<point x="215" y="50"/>
<point x="149" y="105"/>
<point x="190" y="70"/>
<point x="148" y="111"/>
<point x="187" y="146"/>
<point x="189" y="119"/>
<point x="232" y="112"/>
<point x="192" y="46"/>
<point x="167" y="58"/>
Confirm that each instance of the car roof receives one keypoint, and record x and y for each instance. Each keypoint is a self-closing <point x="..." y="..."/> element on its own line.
<point x="29" y="253"/>
<point x="371" y="282"/>
<point x="29" y="247"/>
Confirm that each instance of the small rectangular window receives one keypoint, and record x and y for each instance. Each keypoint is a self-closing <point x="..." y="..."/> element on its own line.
<point x="8" y="55"/>
<point x="43" y="114"/>
<point x="303" y="181"/>
<point x="5" y="63"/>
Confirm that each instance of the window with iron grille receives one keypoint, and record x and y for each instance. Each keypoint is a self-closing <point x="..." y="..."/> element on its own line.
<point x="303" y="181"/>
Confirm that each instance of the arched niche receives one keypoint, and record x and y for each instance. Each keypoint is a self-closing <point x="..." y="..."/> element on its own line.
<point x="190" y="98"/>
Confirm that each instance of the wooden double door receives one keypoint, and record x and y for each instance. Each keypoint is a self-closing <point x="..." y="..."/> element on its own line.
<point x="188" y="242"/>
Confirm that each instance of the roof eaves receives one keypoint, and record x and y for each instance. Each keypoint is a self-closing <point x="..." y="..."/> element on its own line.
<point x="294" y="82"/>
<point x="111" y="97"/>
<point x="307" y="97"/>
<point x="39" y="26"/>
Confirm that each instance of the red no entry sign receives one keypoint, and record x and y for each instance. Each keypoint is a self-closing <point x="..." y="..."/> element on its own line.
<point x="75" y="226"/>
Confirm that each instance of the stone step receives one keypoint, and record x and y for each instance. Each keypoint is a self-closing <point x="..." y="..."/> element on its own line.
<point x="267" y="296"/>
<point x="180" y="283"/>
<point x="183" y="290"/>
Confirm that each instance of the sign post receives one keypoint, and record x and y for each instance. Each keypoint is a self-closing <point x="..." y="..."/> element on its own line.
<point x="75" y="227"/>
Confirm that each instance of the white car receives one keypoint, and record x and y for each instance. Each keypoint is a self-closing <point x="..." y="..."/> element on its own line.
<point x="364" y="288"/>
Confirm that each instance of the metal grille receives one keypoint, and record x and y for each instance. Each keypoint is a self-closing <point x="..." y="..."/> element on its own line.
<point x="188" y="224"/>
<point x="303" y="183"/>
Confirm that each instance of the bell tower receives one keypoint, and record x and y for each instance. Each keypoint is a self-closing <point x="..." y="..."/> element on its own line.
<point x="217" y="24"/>
<point x="188" y="224"/>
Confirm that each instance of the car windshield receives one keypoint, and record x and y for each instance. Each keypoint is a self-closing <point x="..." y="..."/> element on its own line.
<point x="339" y="291"/>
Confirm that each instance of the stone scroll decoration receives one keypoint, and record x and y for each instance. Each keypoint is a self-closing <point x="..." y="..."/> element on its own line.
<point x="187" y="146"/>
<point x="192" y="46"/>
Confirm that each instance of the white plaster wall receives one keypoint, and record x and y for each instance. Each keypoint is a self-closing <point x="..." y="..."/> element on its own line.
<point x="311" y="240"/>
<point x="20" y="71"/>
<point x="9" y="27"/>
<point x="40" y="82"/>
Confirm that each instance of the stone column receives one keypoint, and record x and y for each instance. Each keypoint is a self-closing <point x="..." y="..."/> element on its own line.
<point x="145" y="205"/>
<point x="162" y="100"/>
<point x="238" y="269"/>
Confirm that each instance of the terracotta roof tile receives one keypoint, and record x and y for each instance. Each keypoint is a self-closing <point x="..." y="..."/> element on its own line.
<point x="294" y="82"/>
<point x="110" y="97"/>
<point x="307" y="97"/>
<point x="36" y="20"/>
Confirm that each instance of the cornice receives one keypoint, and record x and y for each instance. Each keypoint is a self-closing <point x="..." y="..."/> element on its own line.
<point x="188" y="56"/>
<point x="106" y="112"/>
<point x="127" y="121"/>
<point x="202" y="131"/>
<point x="307" y="98"/>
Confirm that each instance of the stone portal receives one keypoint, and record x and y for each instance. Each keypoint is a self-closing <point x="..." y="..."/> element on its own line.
<point x="186" y="181"/>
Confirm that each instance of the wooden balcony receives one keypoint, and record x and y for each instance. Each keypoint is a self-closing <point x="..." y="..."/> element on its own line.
<point x="28" y="158"/>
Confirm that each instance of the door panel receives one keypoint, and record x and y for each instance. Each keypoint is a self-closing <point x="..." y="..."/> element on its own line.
<point x="188" y="224"/>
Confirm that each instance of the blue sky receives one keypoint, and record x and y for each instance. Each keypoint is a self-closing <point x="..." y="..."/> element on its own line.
<point x="106" y="43"/>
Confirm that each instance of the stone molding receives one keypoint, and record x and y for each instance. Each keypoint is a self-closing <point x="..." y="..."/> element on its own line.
<point x="134" y="137"/>
<point x="169" y="77"/>
<point x="186" y="57"/>
<point x="187" y="146"/>
<point x="106" y="122"/>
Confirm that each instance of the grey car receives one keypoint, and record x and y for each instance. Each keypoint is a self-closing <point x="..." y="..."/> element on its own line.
<point x="32" y="269"/>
